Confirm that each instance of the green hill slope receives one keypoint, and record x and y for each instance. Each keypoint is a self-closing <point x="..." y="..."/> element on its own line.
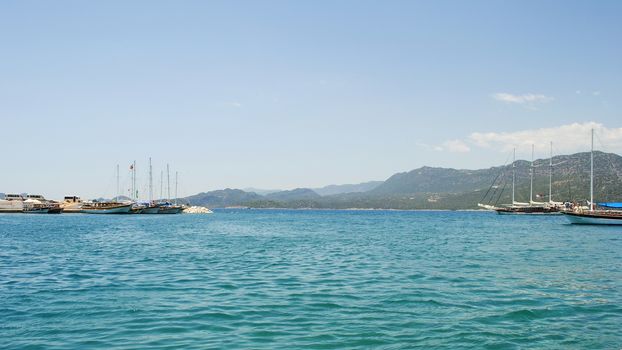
<point x="443" y="188"/>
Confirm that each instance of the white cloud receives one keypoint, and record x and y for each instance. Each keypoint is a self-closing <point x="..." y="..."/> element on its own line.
<point x="456" y="146"/>
<point x="234" y="104"/>
<point x="568" y="138"/>
<point x="521" y="99"/>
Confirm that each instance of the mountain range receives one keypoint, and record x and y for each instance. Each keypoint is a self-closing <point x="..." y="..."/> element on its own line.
<point x="445" y="188"/>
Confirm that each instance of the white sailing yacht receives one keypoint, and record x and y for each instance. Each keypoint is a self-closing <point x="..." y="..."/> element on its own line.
<point x="532" y="207"/>
<point x="168" y="207"/>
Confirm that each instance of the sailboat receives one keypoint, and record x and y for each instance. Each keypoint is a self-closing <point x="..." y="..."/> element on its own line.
<point x="152" y="207"/>
<point x="111" y="206"/>
<point x="532" y="207"/>
<point x="168" y="207"/>
<point x="611" y="216"/>
<point x="137" y="207"/>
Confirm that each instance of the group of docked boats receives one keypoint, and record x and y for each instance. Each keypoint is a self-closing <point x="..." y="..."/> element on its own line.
<point x="30" y="204"/>
<point x="37" y="204"/>
<point x="604" y="213"/>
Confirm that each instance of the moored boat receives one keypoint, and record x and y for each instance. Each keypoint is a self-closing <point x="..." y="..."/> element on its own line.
<point x="611" y="215"/>
<point x="36" y="210"/>
<point x="169" y="208"/>
<point x="106" y="208"/>
<point x="55" y="209"/>
<point x="151" y="208"/>
<point x="595" y="217"/>
<point x="527" y="210"/>
<point x="35" y="206"/>
<point x="533" y="207"/>
<point x="52" y="206"/>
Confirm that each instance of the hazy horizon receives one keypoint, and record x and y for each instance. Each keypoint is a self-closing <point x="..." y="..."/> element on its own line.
<point x="282" y="95"/>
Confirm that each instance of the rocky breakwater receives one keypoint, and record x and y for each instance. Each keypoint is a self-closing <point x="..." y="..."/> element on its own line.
<point x="197" y="210"/>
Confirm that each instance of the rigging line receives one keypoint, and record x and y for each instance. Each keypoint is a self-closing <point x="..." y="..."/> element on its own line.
<point x="496" y="188"/>
<point x="492" y="196"/>
<point x="505" y="183"/>
<point x="491" y="186"/>
<point x="500" y="193"/>
<point x="502" y="171"/>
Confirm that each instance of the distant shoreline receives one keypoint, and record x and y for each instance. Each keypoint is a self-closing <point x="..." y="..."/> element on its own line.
<point x="351" y="209"/>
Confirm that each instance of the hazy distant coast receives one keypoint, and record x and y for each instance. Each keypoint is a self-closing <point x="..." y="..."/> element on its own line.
<point x="430" y="188"/>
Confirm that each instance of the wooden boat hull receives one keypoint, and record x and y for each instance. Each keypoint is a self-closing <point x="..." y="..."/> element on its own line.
<point x="170" y="210"/>
<point x="593" y="218"/>
<point x="36" y="211"/>
<point x="151" y="210"/>
<point x="121" y="209"/>
<point x="527" y="211"/>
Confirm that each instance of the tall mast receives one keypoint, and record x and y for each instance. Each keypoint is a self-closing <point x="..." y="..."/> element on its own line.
<point x="592" y="174"/>
<point x="532" y="171"/>
<point x="551" y="174"/>
<point x="168" y="184"/>
<point x="132" y="180"/>
<point x="513" y="173"/>
<point x="175" y="188"/>
<point x="134" y="191"/>
<point x="117" y="182"/>
<point x="150" y="181"/>
<point x="161" y="184"/>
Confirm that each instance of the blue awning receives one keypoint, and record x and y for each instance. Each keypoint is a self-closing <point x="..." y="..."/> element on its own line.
<point x="610" y="205"/>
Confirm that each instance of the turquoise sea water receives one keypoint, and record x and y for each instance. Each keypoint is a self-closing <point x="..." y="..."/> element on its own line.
<point x="308" y="279"/>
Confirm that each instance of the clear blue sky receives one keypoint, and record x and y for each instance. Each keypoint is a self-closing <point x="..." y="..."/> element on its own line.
<point x="284" y="94"/>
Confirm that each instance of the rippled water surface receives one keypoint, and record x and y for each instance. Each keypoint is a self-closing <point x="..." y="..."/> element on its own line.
<point x="308" y="279"/>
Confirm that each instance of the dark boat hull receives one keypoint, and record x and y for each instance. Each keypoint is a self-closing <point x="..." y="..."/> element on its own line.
<point x="527" y="210"/>
<point x="36" y="210"/>
<point x="170" y="210"/>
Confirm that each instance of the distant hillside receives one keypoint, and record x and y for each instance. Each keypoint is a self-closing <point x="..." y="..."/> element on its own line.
<point x="429" y="179"/>
<point x="223" y="198"/>
<point x="260" y="191"/>
<point x="445" y="188"/>
<point x="349" y="188"/>
<point x="293" y="195"/>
